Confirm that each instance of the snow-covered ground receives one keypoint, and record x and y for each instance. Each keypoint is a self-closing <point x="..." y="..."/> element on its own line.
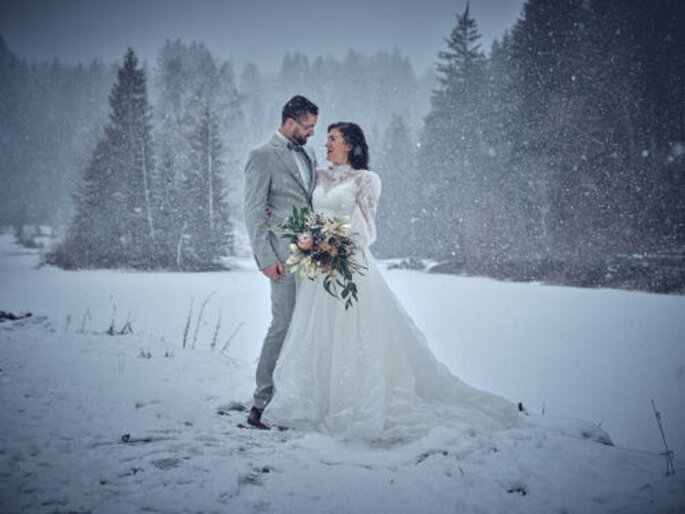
<point x="92" y="422"/>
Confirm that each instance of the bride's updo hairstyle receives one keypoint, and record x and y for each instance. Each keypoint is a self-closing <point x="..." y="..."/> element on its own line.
<point x="353" y="135"/>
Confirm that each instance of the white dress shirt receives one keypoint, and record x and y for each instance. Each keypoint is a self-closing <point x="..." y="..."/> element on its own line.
<point x="301" y="161"/>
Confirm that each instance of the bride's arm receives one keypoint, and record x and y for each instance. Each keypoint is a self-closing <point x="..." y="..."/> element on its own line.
<point x="368" y="193"/>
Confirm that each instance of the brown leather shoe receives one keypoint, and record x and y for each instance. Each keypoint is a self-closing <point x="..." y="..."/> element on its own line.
<point x="255" y="419"/>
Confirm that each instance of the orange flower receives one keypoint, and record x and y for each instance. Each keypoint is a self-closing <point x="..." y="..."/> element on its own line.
<point x="305" y="240"/>
<point x="324" y="246"/>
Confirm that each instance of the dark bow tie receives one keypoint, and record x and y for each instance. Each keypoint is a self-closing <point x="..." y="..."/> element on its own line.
<point x="298" y="148"/>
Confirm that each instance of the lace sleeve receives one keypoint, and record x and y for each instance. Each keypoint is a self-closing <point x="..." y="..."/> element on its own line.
<point x="368" y="193"/>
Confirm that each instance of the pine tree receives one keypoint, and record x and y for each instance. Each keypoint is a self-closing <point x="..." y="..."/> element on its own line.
<point x="295" y="73"/>
<point x="14" y="133"/>
<point x="234" y="129"/>
<point x="208" y="226"/>
<point x="114" y="224"/>
<point x="94" y="236"/>
<point x="252" y="94"/>
<point x="200" y="127"/>
<point x="396" y="212"/>
<point x="647" y="107"/>
<point x="569" y="147"/>
<point x="174" y="80"/>
<point x="207" y="222"/>
<point x="129" y="133"/>
<point x="505" y="187"/>
<point x="453" y="145"/>
<point x="542" y="43"/>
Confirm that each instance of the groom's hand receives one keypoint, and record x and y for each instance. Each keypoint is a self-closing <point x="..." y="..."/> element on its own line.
<point x="275" y="271"/>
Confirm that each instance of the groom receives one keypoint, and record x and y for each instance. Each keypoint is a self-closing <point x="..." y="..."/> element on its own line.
<point x="279" y="175"/>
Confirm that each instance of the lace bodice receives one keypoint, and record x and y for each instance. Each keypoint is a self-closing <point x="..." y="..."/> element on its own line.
<point x="342" y="191"/>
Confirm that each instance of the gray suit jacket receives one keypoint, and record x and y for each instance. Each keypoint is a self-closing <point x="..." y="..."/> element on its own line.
<point x="272" y="178"/>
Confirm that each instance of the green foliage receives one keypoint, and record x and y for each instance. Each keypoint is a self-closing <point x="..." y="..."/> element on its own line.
<point x="564" y="145"/>
<point x="327" y="250"/>
<point x="130" y="211"/>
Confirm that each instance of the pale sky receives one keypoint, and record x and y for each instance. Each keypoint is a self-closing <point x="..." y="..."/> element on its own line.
<point x="243" y="30"/>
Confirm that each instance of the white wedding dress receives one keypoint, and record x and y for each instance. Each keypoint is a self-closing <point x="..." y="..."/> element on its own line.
<point x="367" y="372"/>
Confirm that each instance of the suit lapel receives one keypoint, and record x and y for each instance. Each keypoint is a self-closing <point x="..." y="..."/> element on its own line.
<point x="312" y="171"/>
<point x="288" y="160"/>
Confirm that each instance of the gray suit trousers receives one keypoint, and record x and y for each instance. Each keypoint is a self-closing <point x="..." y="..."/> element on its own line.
<point x="273" y="178"/>
<point x="282" y="306"/>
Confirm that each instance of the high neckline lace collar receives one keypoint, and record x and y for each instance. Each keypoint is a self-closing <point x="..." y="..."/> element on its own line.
<point x="339" y="173"/>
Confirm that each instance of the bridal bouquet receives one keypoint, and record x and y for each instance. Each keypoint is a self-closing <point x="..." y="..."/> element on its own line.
<point x="319" y="244"/>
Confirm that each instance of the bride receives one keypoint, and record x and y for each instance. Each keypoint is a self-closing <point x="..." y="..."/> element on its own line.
<point x="366" y="372"/>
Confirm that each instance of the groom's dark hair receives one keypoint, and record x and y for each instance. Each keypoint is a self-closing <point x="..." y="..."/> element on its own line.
<point x="297" y="107"/>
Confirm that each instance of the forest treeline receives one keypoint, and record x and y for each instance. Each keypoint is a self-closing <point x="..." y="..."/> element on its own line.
<point x="560" y="151"/>
<point x="151" y="177"/>
<point x="566" y="142"/>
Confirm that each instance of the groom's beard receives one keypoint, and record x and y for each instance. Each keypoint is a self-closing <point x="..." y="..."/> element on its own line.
<point x="300" y="140"/>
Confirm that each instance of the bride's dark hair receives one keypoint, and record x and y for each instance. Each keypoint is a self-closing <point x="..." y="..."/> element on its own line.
<point x="353" y="135"/>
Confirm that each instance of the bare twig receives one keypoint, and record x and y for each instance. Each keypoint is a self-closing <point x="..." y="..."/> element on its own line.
<point x="187" y="327"/>
<point x="670" y="467"/>
<point x="216" y="330"/>
<point x="86" y="318"/>
<point x="112" y="330"/>
<point x="228" y="342"/>
<point x="127" y="328"/>
<point x="201" y="315"/>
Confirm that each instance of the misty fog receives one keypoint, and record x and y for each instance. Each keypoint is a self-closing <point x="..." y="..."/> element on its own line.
<point x="557" y="153"/>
